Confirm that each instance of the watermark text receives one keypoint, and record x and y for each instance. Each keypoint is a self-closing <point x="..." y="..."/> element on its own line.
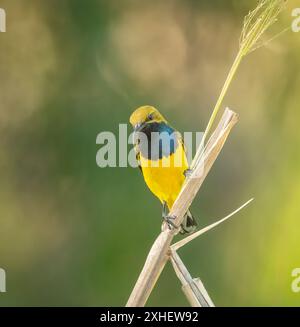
<point x="2" y="281"/>
<point x="155" y="149"/>
<point x="2" y="20"/>
<point x="296" y="280"/>
<point x="296" y="21"/>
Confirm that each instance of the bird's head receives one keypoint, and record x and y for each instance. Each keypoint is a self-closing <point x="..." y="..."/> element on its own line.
<point x="143" y="115"/>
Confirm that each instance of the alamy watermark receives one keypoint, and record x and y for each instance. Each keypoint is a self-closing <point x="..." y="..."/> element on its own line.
<point x="2" y="281"/>
<point x="296" y="280"/>
<point x="296" y="21"/>
<point x="2" y="20"/>
<point x="115" y="151"/>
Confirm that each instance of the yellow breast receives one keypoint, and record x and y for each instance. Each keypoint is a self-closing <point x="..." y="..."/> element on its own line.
<point x="165" y="176"/>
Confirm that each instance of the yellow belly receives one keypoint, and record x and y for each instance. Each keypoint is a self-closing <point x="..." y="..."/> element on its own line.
<point x="165" y="177"/>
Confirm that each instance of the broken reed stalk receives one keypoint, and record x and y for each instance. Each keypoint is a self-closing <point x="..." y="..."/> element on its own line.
<point x="160" y="250"/>
<point x="193" y="288"/>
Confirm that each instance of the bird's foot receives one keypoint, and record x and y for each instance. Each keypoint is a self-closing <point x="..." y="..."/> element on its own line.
<point x="188" y="172"/>
<point x="170" y="221"/>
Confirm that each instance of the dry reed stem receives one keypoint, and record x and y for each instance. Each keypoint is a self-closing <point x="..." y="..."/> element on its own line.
<point x="193" y="289"/>
<point x="160" y="250"/>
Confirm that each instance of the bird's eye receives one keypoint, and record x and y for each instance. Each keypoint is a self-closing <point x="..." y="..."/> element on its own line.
<point x="150" y="117"/>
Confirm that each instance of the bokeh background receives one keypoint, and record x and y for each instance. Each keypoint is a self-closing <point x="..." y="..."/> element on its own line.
<point x="72" y="233"/>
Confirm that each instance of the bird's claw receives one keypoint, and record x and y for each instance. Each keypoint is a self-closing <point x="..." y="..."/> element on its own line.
<point x="188" y="172"/>
<point x="170" y="222"/>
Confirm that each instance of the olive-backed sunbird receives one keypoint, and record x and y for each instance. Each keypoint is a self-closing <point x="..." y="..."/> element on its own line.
<point x="162" y="159"/>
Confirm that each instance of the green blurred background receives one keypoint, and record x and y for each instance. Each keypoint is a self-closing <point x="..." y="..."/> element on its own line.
<point x="72" y="233"/>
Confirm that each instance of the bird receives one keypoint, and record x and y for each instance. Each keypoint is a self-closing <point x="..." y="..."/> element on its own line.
<point x="161" y="157"/>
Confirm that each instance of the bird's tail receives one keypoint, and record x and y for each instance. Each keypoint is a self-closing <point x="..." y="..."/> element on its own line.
<point x="189" y="224"/>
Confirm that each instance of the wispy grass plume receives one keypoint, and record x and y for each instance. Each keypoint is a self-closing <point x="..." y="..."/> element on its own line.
<point x="256" y="23"/>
